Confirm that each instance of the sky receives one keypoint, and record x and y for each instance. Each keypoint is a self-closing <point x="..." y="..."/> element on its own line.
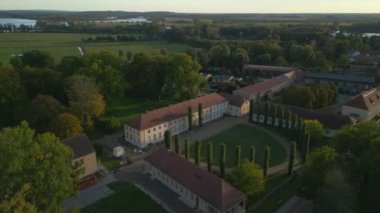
<point x="202" y="6"/>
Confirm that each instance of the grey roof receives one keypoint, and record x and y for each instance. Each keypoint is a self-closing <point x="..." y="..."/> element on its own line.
<point x="268" y="68"/>
<point x="341" y="77"/>
<point x="80" y="144"/>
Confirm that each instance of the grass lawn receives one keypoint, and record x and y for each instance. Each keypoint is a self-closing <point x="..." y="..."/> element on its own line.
<point x="245" y="136"/>
<point x="64" y="44"/>
<point x="279" y="198"/>
<point x="126" y="198"/>
<point x="109" y="162"/>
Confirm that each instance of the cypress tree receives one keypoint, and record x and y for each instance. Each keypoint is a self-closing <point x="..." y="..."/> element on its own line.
<point x="168" y="139"/>
<point x="209" y="156"/>
<point x="237" y="155"/>
<point x="301" y="134"/>
<point x="258" y="111"/>
<point x="250" y="118"/>
<point x="306" y="148"/>
<point x="294" y="126"/>
<point x="292" y="157"/>
<point x="190" y="117"/>
<point x="281" y="123"/>
<point x="266" y="161"/>
<point x="252" y="152"/>
<point x="267" y="111"/>
<point x="200" y="114"/>
<point x="197" y="152"/>
<point x="274" y="115"/>
<point x="288" y="123"/>
<point x="177" y="147"/>
<point x="222" y="159"/>
<point x="187" y="149"/>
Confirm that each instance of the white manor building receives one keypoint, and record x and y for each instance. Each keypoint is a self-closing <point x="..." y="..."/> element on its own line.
<point x="149" y="127"/>
<point x="364" y="106"/>
<point x="199" y="189"/>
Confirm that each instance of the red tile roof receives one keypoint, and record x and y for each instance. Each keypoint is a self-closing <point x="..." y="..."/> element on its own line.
<point x="162" y="115"/>
<point x="234" y="100"/>
<point x="266" y="85"/>
<point x="206" y="185"/>
<point x="368" y="100"/>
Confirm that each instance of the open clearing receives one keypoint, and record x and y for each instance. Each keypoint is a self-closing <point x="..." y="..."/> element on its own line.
<point x="64" y="44"/>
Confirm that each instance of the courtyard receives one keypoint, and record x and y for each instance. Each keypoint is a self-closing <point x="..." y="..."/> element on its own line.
<point x="126" y="198"/>
<point x="246" y="136"/>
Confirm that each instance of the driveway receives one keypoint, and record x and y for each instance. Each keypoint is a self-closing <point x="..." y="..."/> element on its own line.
<point x="91" y="194"/>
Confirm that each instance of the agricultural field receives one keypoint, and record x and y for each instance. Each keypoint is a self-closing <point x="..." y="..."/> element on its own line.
<point x="245" y="136"/>
<point x="64" y="44"/>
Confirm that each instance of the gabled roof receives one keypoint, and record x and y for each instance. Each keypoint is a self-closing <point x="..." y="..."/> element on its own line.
<point x="80" y="144"/>
<point x="206" y="185"/>
<point x="328" y="119"/>
<point x="234" y="100"/>
<point x="153" y="118"/>
<point x="265" y="85"/>
<point x="367" y="100"/>
<point x="341" y="77"/>
<point x="263" y="68"/>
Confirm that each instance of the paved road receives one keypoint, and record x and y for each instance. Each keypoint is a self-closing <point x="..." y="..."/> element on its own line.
<point x="91" y="194"/>
<point x="156" y="190"/>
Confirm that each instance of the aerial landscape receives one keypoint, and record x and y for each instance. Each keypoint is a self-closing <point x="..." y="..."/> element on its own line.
<point x="190" y="106"/>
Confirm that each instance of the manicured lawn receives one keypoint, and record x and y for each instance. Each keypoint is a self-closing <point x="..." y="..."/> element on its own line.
<point x="64" y="44"/>
<point x="279" y="198"/>
<point x="126" y="198"/>
<point x="245" y="136"/>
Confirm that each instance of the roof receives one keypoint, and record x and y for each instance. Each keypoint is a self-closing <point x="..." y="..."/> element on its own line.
<point x="80" y="144"/>
<point x="341" y="77"/>
<point x="206" y="185"/>
<point x="234" y="100"/>
<point x="153" y="118"/>
<point x="265" y="85"/>
<point x="367" y="100"/>
<point x="328" y="119"/>
<point x="268" y="68"/>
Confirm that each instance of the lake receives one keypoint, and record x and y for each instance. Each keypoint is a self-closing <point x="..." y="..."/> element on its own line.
<point x="17" y="21"/>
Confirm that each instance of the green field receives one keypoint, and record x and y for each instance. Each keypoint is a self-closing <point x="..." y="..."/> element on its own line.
<point x="64" y="44"/>
<point x="126" y="198"/>
<point x="245" y="136"/>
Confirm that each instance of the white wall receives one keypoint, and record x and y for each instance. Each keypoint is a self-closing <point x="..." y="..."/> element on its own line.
<point x="156" y="134"/>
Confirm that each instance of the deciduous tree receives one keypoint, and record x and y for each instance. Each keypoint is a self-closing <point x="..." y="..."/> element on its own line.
<point x="66" y="125"/>
<point x="248" y="177"/>
<point x="85" y="100"/>
<point x="40" y="160"/>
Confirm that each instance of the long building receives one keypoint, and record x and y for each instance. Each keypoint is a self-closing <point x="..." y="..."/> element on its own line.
<point x="268" y="88"/>
<point x="199" y="189"/>
<point x="149" y="127"/>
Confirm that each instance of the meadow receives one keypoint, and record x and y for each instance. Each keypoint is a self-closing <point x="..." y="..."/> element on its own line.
<point x="64" y="44"/>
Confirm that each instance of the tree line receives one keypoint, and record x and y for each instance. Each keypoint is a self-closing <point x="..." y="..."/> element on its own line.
<point x="39" y="90"/>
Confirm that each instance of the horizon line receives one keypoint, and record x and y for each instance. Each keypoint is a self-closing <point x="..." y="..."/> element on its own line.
<point x="217" y="13"/>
